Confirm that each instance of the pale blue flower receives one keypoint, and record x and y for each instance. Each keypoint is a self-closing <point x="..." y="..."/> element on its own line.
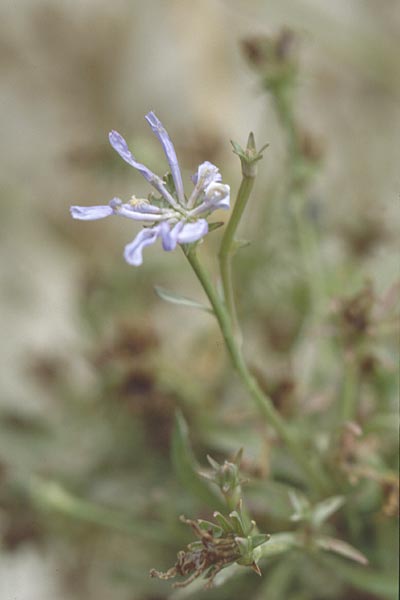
<point x="173" y="218"/>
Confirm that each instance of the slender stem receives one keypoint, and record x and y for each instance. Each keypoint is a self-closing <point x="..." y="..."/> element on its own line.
<point x="262" y="401"/>
<point x="227" y="249"/>
<point x="299" y="178"/>
<point x="308" y="242"/>
<point x="349" y="391"/>
<point x="283" y="101"/>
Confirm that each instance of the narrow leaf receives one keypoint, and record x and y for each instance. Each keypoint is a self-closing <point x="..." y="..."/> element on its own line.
<point x="259" y="538"/>
<point x="215" y="225"/>
<point x="300" y="505"/>
<point x="239" y="244"/>
<point x="374" y="582"/>
<point x="277" y="544"/>
<point x="237" y="522"/>
<point x="215" y="465"/>
<point x="208" y="526"/>
<point x="50" y="495"/>
<point x="237" y="459"/>
<point x="186" y="466"/>
<point x="177" y="299"/>
<point x="342" y="548"/>
<point x="223" y="522"/>
<point x="323" y="510"/>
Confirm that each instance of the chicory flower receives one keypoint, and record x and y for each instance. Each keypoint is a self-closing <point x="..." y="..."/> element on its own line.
<point x="172" y="217"/>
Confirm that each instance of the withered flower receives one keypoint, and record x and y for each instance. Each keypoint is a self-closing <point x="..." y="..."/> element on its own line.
<point x="218" y="546"/>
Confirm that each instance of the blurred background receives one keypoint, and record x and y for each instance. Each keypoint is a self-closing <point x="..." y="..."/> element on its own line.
<point x="92" y="363"/>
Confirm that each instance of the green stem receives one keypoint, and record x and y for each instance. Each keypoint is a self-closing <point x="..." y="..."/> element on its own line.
<point x="299" y="178"/>
<point x="263" y="402"/>
<point x="349" y="392"/>
<point x="308" y="242"/>
<point x="283" y="101"/>
<point x="227" y="249"/>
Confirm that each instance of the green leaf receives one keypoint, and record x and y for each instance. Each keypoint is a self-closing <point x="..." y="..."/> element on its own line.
<point x="384" y="585"/>
<point x="237" y="148"/>
<point x="237" y="523"/>
<point x="215" y="225"/>
<point x="239" y="244"/>
<point x="278" y="543"/>
<point x="52" y="496"/>
<point x="223" y="522"/>
<point x="323" y="510"/>
<point x="216" y="530"/>
<point x="259" y="538"/>
<point x="182" y="300"/>
<point x="186" y="466"/>
<point x="342" y="548"/>
<point x="300" y="505"/>
<point x="214" y="464"/>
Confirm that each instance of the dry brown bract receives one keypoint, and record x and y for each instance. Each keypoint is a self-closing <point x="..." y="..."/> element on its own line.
<point x="208" y="555"/>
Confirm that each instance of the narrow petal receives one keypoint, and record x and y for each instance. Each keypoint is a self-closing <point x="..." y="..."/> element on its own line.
<point x="133" y="251"/>
<point x="132" y="212"/>
<point x="170" y="235"/>
<point x="91" y="213"/>
<point x="191" y="232"/>
<point x="120" y="146"/>
<point x="207" y="173"/>
<point x="170" y="153"/>
<point x="144" y="206"/>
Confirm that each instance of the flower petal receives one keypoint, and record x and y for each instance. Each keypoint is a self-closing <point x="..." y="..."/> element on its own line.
<point x="191" y="232"/>
<point x="133" y="212"/>
<point x="91" y="213"/>
<point x="120" y="146"/>
<point x="207" y="173"/>
<point x="170" y="153"/>
<point x="218" y="195"/>
<point x="145" y="207"/>
<point x="170" y="236"/>
<point x="133" y="251"/>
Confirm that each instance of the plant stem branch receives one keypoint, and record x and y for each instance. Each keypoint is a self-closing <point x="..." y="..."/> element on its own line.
<point x="349" y="391"/>
<point x="227" y="250"/>
<point x="263" y="402"/>
<point x="299" y="179"/>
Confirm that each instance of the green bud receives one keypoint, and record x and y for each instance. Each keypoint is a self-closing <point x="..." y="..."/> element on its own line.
<point x="227" y="478"/>
<point x="249" y="156"/>
<point x="247" y="546"/>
